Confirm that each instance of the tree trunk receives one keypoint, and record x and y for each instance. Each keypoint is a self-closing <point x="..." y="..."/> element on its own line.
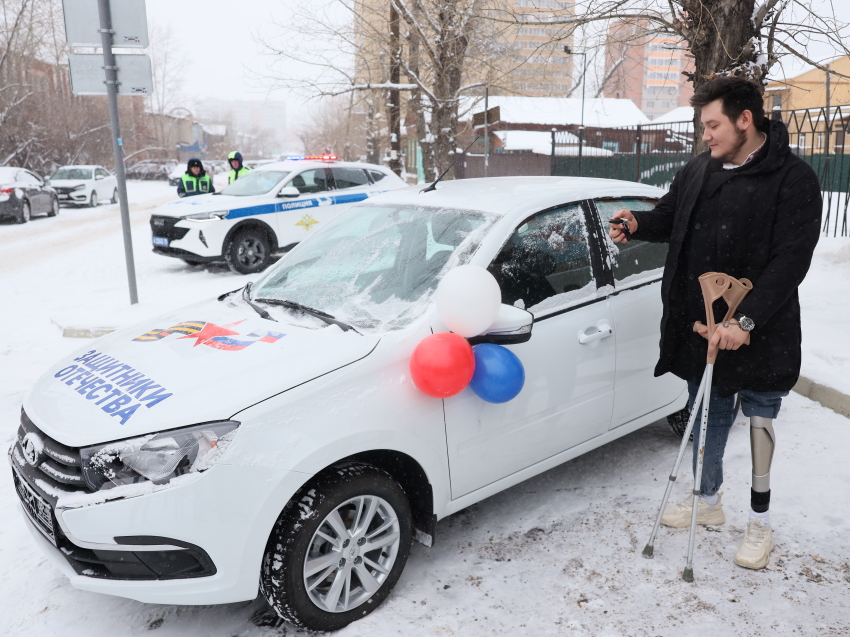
<point x="722" y="39"/>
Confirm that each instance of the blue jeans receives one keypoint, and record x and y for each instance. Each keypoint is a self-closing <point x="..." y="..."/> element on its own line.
<point x="721" y="417"/>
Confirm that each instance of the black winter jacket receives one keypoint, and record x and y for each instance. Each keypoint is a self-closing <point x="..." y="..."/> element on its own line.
<point x="764" y="222"/>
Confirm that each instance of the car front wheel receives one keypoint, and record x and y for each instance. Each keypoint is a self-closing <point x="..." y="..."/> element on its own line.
<point x="338" y="548"/>
<point x="54" y="208"/>
<point x="114" y="196"/>
<point x="248" y="252"/>
<point x="93" y="200"/>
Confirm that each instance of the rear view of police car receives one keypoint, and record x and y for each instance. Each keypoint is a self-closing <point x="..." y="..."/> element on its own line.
<point x="269" y="210"/>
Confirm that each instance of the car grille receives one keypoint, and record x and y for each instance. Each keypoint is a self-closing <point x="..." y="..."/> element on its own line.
<point x="164" y="227"/>
<point x="62" y="190"/>
<point x="55" y="469"/>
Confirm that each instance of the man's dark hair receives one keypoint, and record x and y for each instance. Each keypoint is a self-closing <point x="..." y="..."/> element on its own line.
<point x="737" y="95"/>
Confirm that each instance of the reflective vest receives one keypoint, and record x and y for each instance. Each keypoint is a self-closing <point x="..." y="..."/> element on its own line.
<point x="192" y="184"/>
<point x="236" y="174"/>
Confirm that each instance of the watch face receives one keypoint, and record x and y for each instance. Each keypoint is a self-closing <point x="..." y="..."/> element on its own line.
<point x="747" y="324"/>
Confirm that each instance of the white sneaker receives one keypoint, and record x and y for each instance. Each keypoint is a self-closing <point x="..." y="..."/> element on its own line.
<point x="754" y="551"/>
<point x="679" y="515"/>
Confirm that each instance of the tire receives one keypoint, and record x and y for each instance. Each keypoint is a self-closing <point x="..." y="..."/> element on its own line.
<point x="93" y="200"/>
<point x="679" y="422"/>
<point x="54" y="208"/>
<point x="248" y="252"/>
<point x="114" y="196"/>
<point x="350" y="490"/>
<point x="26" y="212"/>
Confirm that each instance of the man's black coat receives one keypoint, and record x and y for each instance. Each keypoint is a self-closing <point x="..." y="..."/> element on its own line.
<point x="760" y="221"/>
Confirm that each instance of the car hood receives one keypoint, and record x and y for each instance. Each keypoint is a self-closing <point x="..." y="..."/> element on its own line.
<point x="199" y="364"/>
<point x="68" y="183"/>
<point x="206" y="203"/>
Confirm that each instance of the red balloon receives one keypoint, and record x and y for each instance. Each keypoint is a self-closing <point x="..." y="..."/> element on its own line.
<point x="442" y="365"/>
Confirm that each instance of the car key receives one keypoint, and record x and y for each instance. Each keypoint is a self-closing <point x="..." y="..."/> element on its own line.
<point x="624" y="226"/>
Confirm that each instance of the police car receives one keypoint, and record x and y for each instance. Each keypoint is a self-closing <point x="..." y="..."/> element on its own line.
<point x="267" y="211"/>
<point x="271" y="440"/>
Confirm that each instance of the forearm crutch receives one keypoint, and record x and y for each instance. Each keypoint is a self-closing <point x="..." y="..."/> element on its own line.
<point x="714" y="286"/>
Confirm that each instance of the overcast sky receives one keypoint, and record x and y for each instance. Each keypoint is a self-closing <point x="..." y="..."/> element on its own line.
<point x="218" y="37"/>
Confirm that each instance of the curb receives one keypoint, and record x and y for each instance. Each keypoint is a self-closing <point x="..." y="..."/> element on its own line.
<point x="826" y="396"/>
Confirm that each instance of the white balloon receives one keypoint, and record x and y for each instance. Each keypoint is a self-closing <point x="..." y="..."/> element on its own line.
<point x="468" y="300"/>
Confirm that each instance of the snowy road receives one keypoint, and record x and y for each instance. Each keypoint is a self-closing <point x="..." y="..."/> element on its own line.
<point x="556" y="555"/>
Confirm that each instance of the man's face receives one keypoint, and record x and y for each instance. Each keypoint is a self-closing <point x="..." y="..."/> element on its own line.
<point x="196" y="170"/>
<point x="724" y="137"/>
<point x="234" y="164"/>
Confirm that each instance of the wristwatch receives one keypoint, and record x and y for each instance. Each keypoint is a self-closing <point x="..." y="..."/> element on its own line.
<point x="745" y="323"/>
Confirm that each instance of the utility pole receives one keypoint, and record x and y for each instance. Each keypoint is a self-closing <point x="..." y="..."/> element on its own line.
<point x="486" y="132"/>
<point x="395" y="99"/>
<point x="111" y="82"/>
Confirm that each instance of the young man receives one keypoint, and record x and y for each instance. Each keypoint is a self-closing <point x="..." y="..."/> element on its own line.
<point x="237" y="170"/>
<point x="749" y="208"/>
<point x="196" y="181"/>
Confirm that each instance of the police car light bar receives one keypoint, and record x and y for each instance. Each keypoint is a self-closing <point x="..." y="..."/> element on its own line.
<point x="325" y="157"/>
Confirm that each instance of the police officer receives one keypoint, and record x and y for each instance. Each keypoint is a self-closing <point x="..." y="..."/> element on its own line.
<point x="196" y="181"/>
<point x="237" y="170"/>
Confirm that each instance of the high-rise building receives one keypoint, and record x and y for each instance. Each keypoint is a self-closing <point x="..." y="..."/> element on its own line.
<point x="646" y="68"/>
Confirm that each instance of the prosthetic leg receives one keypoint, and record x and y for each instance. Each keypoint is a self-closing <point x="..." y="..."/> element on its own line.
<point x="762" y="444"/>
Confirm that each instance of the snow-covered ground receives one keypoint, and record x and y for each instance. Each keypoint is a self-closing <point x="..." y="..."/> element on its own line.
<point x="556" y="555"/>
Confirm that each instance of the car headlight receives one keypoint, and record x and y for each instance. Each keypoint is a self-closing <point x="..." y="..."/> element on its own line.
<point x="75" y="188"/>
<point x="207" y="216"/>
<point x="156" y="457"/>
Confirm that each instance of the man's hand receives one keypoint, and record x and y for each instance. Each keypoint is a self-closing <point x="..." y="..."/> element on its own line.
<point x="615" y="231"/>
<point x="731" y="337"/>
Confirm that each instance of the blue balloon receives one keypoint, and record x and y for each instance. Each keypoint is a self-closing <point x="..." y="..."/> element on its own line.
<point x="499" y="374"/>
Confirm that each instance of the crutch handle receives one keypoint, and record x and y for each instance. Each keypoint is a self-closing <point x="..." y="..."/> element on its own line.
<point x="714" y="286"/>
<point x="699" y="325"/>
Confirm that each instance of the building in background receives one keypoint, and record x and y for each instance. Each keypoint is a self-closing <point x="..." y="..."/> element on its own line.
<point x="257" y="128"/>
<point x="646" y="68"/>
<point x="809" y="90"/>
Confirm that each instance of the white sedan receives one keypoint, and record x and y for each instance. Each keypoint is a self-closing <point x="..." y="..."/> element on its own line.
<point x="84" y="185"/>
<point x="266" y="211"/>
<point x="273" y="437"/>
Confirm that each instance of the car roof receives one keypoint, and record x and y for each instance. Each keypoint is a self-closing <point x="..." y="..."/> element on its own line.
<point x="81" y="166"/>
<point x="507" y="195"/>
<point x="297" y="164"/>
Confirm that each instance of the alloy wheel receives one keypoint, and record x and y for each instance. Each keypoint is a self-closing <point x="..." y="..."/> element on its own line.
<point x="251" y="252"/>
<point x="352" y="553"/>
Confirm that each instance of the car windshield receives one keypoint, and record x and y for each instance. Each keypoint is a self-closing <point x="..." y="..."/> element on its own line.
<point x="256" y="182"/>
<point x="376" y="266"/>
<point x="72" y="173"/>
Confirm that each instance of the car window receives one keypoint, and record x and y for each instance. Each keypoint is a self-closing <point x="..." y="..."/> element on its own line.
<point x="545" y="265"/>
<point x="102" y="172"/>
<point x="73" y="173"/>
<point x="28" y="178"/>
<point x="256" y="182"/>
<point x="349" y="177"/>
<point x="310" y="181"/>
<point x="376" y="175"/>
<point x="635" y="261"/>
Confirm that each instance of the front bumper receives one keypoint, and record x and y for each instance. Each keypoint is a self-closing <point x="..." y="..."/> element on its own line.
<point x="211" y="533"/>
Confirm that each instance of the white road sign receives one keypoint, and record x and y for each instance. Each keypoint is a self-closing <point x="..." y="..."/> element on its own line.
<point x="129" y="22"/>
<point x="87" y="78"/>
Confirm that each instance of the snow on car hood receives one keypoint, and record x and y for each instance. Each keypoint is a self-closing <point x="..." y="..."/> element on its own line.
<point x="68" y="183"/>
<point x="199" y="364"/>
<point x="205" y="203"/>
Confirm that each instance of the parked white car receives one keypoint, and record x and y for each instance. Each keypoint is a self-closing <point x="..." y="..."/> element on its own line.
<point x="85" y="185"/>
<point x="264" y="212"/>
<point x="273" y="437"/>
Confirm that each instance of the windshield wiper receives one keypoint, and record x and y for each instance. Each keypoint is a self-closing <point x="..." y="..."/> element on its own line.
<point x="246" y="296"/>
<point x="292" y="305"/>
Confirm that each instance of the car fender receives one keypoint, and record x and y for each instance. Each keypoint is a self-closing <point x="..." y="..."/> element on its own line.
<point x="370" y="405"/>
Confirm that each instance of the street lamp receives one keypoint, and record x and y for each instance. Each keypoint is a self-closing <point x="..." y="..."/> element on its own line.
<point x="569" y="51"/>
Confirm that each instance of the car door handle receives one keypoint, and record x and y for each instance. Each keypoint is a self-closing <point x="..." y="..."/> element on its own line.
<point x="604" y="330"/>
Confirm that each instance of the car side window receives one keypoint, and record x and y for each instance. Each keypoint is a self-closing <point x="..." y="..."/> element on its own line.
<point x="546" y="265"/>
<point x="28" y="178"/>
<point x="635" y="261"/>
<point x="349" y="177"/>
<point x="310" y="181"/>
<point x="101" y="173"/>
<point x="376" y="175"/>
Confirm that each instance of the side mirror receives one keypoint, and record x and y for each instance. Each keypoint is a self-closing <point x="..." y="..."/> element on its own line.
<point x="289" y="191"/>
<point x="512" y="326"/>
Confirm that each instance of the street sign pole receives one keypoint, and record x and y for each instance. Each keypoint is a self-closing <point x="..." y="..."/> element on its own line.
<point x="111" y="70"/>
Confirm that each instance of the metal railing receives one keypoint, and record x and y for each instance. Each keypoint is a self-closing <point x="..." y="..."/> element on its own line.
<point x="653" y="154"/>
